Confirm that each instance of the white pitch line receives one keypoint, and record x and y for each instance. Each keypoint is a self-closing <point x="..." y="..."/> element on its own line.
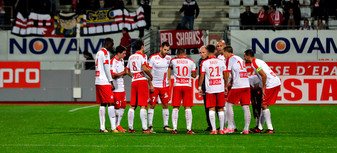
<point x="73" y="110"/>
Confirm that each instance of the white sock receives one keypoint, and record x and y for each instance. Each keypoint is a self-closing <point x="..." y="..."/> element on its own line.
<point x="120" y="114"/>
<point x="230" y="115"/>
<point x="143" y="118"/>
<point x="175" y="113"/>
<point x="246" y="112"/>
<point x="131" y="116"/>
<point x="261" y="120"/>
<point x="116" y="116"/>
<point x="267" y="116"/>
<point x="166" y="116"/>
<point x="221" y="119"/>
<point x="102" y="117"/>
<point x="188" y="116"/>
<point x="112" y="117"/>
<point x="150" y="115"/>
<point x="225" y="116"/>
<point x="212" y="119"/>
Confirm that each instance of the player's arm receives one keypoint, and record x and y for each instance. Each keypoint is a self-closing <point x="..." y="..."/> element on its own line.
<point x="151" y="85"/>
<point x="117" y="75"/>
<point x="127" y="71"/>
<point x="201" y="80"/>
<point x="147" y="71"/>
<point x="169" y="76"/>
<point x="225" y="77"/>
<point x="263" y="78"/>
<point x="194" y="74"/>
<point x="106" y="66"/>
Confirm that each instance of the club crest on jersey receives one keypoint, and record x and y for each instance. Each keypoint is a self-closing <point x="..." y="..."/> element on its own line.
<point x="112" y="97"/>
<point x="167" y="58"/>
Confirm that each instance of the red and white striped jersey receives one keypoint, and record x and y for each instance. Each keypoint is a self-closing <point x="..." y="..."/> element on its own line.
<point x="117" y="66"/>
<point x="159" y="69"/>
<point x="135" y="65"/>
<point x="237" y="67"/>
<point x="102" y="73"/>
<point x="182" y="70"/>
<point x="272" y="79"/>
<point x="213" y="69"/>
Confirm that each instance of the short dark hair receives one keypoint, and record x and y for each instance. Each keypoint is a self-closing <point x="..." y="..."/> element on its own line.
<point x="107" y="41"/>
<point x="125" y="29"/>
<point x="138" y="44"/>
<point x="165" y="44"/>
<point x="120" y="49"/>
<point x="228" y="49"/>
<point x="249" y="53"/>
<point x="210" y="48"/>
<point x="181" y="51"/>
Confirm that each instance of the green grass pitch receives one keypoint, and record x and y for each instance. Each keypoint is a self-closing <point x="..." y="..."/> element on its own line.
<point x="53" y="128"/>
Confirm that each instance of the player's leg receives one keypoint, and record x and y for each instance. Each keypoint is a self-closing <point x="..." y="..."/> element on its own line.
<point x="245" y="101"/>
<point x="188" y="103"/>
<point x="211" y="103"/>
<point x="261" y="122"/>
<point x="133" y="104"/>
<point x="143" y="96"/>
<point x="153" y="101"/>
<point x="269" y="99"/>
<point x="209" y="127"/>
<point x="112" y="117"/>
<point x="102" y="117"/>
<point x="120" y="104"/>
<point x="176" y="102"/>
<point x="165" y="98"/>
<point x="220" y="98"/>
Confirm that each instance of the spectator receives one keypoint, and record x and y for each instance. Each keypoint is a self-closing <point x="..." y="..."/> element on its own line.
<point x="88" y="65"/>
<point x="294" y="4"/>
<point x="306" y="25"/>
<point x="248" y="19"/>
<point x="191" y="12"/>
<point x="126" y="42"/>
<point x="320" y="25"/>
<point x="262" y="17"/>
<point x="291" y="19"/>
<point x="275" y="17"/>
<point x="318" y="9"/>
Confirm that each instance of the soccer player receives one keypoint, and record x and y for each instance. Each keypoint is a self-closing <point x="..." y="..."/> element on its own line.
<point x="240" y="89"/>
<point x="136" y="68"/>
<point x="104" y="86"/>
<point x="117" y="73"/>
<point x="212" y="71"/>
<point x="183" y="69"/>
<point x="159" y="65"/>
<point x="271" y="85"/>
<point x="256" y="99"/>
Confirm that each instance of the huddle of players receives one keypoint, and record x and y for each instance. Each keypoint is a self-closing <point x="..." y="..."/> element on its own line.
<point x="155" y="77"/>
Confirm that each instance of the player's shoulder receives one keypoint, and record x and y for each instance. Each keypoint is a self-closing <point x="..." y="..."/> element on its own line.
<point x="104" y="51"/>
<point x="154" y="55"/>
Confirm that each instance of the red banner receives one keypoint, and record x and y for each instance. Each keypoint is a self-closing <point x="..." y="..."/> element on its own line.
<point x="182" y="38"/>
<point x="20" y="74"/>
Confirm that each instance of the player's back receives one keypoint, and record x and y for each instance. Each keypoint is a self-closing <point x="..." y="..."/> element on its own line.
<point x="213" y="69"/>
<point x="272" y="79"/>
<point x="135" y="65"/>
<point x="182" y="70"/>
<point x="102" y="57"/>
<point x="237" y="67"/>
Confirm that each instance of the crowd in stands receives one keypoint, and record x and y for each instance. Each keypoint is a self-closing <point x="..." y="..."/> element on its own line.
<point x="286" y="14"/>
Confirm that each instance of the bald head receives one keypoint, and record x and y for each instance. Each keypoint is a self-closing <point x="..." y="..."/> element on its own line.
<point x="202" y="52"/>
<point x="220" y="47"/>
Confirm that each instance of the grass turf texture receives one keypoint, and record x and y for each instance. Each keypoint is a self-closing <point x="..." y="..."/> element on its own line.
<point x="52" y="128"/>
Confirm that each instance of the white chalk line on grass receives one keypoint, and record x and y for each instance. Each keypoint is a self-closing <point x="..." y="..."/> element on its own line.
<point x="84" y="107"/>
<point x="147" y="146"/>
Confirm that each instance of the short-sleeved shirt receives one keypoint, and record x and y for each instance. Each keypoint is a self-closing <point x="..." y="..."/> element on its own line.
<point x="135" y="65"/>
<point x="237" y="67"/>
<point x="102" y="58"/>
<point x="272" y="79"/>
<point x="117" y="66"/>
<point x="213" y="69"/>
<point x="159" y="70"/>
<point x="182" y="70"/>
<point x="254" y="81"/>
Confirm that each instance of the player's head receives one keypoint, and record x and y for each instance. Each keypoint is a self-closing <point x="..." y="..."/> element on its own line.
<point x="249" y="55"/>
<point x="181" y="52"/>
<point x="120" y="51"/>
<point x="202" y="52"/>
<point x="220" y="46"/>
<point x="210" y="50"/>
<point x="108" y="44"/>
<point x="139" y="45"/>
<point x="228" y="50"/>
<point x="165" y="48"/>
